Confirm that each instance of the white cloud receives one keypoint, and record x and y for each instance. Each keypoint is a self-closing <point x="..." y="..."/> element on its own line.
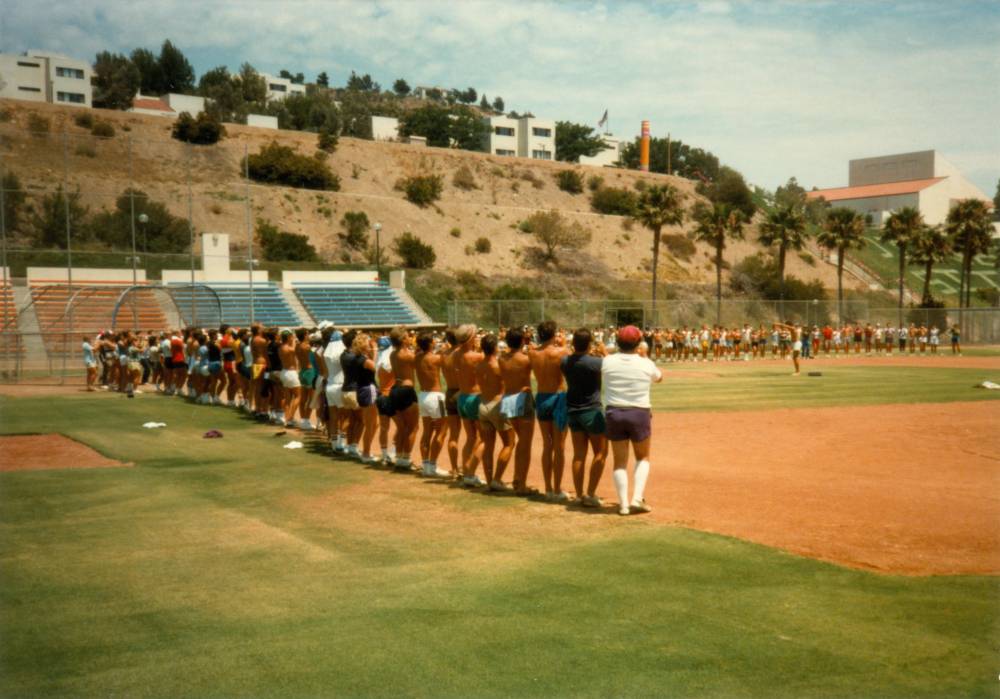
<point x="774" y="88"/>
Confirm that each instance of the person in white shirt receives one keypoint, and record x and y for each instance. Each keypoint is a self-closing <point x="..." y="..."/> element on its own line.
<point x="333" y="373"/>
<point x="626" y="377"/>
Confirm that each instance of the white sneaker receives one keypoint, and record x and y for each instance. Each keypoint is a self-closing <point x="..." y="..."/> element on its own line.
<point x="367" y="459"/>
<point x="640" y="506"/>
<point x="305" y="425"/>
<point x="561" y="496"/>
<point x="472" y="481"/>
<point x="500" y="487"/>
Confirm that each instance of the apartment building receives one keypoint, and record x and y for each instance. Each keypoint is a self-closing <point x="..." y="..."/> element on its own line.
<point x="280" y="88"/>
<point x="41" y="76"/>
<point x="527" y="137"/>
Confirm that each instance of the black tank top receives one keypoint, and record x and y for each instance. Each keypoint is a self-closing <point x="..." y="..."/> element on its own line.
<point x="214" y="353"/>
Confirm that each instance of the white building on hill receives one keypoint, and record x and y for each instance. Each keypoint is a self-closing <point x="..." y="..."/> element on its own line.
<point x="280" y="88"/>
<point x="880" y="185"/>
<point x="527" y="137"/>
<point x="42" y="76"/>
<point x="608" y="156"/>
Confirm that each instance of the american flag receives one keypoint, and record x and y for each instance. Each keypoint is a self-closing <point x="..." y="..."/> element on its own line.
<point x="604" y="119"/>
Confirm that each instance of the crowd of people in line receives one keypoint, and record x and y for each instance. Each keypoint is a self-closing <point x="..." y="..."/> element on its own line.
<point x="464" y="391"/>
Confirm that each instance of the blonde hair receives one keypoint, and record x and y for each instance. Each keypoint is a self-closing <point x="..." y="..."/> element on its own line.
<point x="361" y="344"/>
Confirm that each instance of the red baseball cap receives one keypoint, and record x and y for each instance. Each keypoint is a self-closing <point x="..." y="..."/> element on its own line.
<point x="630" y="333"/>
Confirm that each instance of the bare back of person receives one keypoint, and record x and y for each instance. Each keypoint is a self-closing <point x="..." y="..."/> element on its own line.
<point x="427" y="366"/>
<point x="515" y="371"/>
<point x="489" y="378"/>
<point x="403" y="366"/>
<point x="545" y="365"/>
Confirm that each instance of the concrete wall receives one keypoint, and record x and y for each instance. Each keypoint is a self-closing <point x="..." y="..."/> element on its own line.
<point x="191" y="104"/>
<point x="183" y="276"/>
<point x="83" y="275"/>
<point x="385" y="128"/>
<point x="262" y="121"/>
<point x="288" y="278"/>
<point x="22" y="78"/>
<point x="397" y="279"/>
<point x="891" y="168"/>
<point x="536" y="138"/>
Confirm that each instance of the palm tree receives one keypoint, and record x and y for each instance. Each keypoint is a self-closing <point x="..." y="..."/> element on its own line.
<point x="971" y="232"/>
<point x="659" y="206"/>
<point x="900" y="229"/>
<point x="843" y="230"/>
<point x="716" y="223"/>
<point x="786" y="228"/>
<point x="930" y="246"/>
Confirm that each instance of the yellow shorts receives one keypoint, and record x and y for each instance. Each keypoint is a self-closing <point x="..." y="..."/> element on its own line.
<point x="258" y="369"/>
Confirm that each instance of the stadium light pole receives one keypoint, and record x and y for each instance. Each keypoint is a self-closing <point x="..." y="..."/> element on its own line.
<point x="143" y="220"/>
<point x="378" y="250"/>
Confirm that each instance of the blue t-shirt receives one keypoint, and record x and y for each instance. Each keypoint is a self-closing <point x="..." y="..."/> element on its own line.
<point x="88" y="353"/>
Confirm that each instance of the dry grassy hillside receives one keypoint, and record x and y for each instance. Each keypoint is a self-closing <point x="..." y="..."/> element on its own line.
<point x="509" y="190"/>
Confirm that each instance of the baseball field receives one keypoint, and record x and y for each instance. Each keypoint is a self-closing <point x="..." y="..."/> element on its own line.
<point x="833" y="535"/>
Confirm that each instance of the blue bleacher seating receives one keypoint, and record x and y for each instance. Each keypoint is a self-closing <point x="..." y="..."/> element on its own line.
<point x="355" y="303"/>
<point x="270" y="306"/>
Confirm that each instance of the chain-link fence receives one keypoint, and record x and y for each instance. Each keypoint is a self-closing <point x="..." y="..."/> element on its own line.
<point x="979" y="325"/>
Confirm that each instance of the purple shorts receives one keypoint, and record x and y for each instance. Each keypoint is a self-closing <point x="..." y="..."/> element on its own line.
<point x="634" y="424"/>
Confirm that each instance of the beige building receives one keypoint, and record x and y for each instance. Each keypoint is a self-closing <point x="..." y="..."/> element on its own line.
<point x="280" y="88"/>
<point x="527" y="137"/>
<point x="923" y="180"/>
<point x="606" y="157"/>
<point x="42" y="76"/>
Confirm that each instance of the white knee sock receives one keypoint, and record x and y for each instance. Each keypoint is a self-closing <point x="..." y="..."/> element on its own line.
<point x="620" y="476"/>
<point x="641" y="474"/>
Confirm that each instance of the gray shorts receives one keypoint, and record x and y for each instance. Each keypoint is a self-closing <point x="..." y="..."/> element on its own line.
<point x="633" y="424"/>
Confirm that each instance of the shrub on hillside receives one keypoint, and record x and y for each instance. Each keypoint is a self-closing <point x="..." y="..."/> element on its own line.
<point x="456" y="232"/>
<point x="421" y="189"/>
<point x="613" y="200"/>
<point x="758" y="275"/>
<point x="102" y="129"/>
<point x="679" y="245"/>
<point x="530" y="176"/>
<point x="38" y="125"/>
<point x="84" y="120"/>
<point x="463" y="179"/>
<point x="206" y="129"/>
<point x="355" y="233"/>
<point x="483" y="245"/>
<point x="327" y="141"/>
<point x="86" y="150"/>
<point x="414" y="252"/>
<point x="570" y="181"/>
<point x="279" y="245"/>
<point x="595" y="182"/>
<point x="277" y="164"/>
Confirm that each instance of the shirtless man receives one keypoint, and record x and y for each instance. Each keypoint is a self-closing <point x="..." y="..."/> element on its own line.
<point x="795" y="331"/>
<point x="258" y="349"/>
<point x="289" y="376"/>
<point x="550" y="408"/>
<point x="454" y="421"/>
<point x="518" y="405"/>
<point x="307" y="378"/>
<point x="491" y="420"/>
<point x="403" y="396"/>
<point x="466" y="359"/>
<point x="431" y="401"/>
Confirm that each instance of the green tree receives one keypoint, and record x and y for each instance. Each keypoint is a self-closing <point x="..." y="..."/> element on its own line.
<point x="355" y="115"/>
<point x="280" y="245"/>
<point x="178" y="75"/>
<point x="362" y="83"/>
<point x="731" y="189"/>
<point x="467" y="129"/>
<point x="843" y="230"/>
<point x="323" y="80"/>
<point x="223" y="94"/>
<point x="484" y="104"/>
<point x="900" y="229"/>
<point x="469" y="95"/>
<point x="498" y="104"/>
<point x="150" y="73"/>
<point x="554" y="232"/>
<point x="355" y="225"/>
<point x="162" y="233"/>
<point x="48" y="221"/>
<point x="401" y="88"/>
<point x="574" y="140"/>
<point x="431" y="121"/>
<point x="296" y="78"/>
<point x="930" y="246"/>
<point x="252" y="85"/>
<point x="659" y="206"/>
<point x="115" y="81"/>
<point x="414" y="252"/>
<point x="205" y="129"/>
<point x="13" y="202"/>
<point x="996" y="206"/>
<point x="718" y="223"/>
<point x="971" y="231"/>
<point x="681" y="158"/>
<point x="786" y="228"/>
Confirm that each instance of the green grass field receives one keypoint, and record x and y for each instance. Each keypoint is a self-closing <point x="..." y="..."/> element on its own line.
<point x="235" y="567"/>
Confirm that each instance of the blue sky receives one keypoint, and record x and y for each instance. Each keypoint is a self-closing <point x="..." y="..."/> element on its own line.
<point x="773" y="88"/>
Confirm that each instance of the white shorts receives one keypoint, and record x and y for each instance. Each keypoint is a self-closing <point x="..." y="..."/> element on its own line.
<point x="335" y="395"/>
<point x="431" y="404"/>
<point x="290" y="378"/>
<point x="797" y="346"/>
<point x="935" y="341"/>
<point x="90" y="365"/>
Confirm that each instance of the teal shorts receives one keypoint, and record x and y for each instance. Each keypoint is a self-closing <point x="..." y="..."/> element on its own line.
<point x="589" y="421"/>
<point x="468" y="406"/>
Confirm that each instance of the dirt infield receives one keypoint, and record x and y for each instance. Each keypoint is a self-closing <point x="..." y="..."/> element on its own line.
<point x="909" y="489"/>
<point x="37" y="452"/>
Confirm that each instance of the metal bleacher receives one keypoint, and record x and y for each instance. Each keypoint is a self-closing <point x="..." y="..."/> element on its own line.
<point x="358" y="303"/>
<point x="198" y="306"/>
